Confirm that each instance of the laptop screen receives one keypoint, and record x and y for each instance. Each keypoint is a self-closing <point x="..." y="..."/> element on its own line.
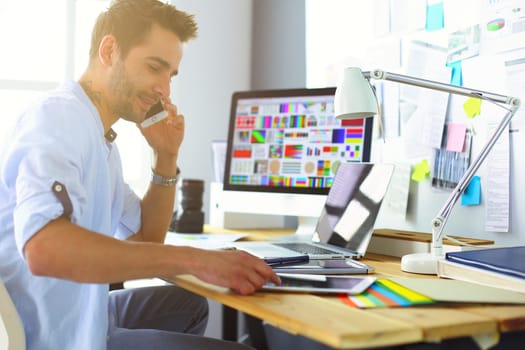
<point x="353" y="202"/>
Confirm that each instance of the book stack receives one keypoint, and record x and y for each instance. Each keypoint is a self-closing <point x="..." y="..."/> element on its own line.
<point x="495" y="267"/>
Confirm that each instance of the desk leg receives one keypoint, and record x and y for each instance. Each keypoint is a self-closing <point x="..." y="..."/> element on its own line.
<point x="229" y="323"/>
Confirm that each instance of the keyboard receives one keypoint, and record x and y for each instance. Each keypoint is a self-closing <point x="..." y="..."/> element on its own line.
<point x="305" y="248"/>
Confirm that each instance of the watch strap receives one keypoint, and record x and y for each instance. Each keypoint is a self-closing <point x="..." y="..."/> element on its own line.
<point x="165" y="180"/>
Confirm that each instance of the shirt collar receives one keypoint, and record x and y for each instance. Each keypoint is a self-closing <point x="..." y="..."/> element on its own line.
<point x="74" y="86"/>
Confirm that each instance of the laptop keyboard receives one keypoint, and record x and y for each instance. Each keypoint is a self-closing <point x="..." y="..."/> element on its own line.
<point x="305" y="248"/>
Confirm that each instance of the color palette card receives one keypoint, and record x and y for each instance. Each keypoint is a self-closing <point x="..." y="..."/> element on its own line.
<point x="386" y="293"/>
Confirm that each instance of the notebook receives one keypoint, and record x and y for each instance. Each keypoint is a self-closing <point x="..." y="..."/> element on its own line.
<point x="345" y="225"/>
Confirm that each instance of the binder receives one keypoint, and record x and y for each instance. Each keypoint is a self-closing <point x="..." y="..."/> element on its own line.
<point x="508" y="261"/>
<point x="462" y="272"/>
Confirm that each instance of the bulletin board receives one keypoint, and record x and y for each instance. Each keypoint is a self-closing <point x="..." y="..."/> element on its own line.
<point x="433" y="136"/>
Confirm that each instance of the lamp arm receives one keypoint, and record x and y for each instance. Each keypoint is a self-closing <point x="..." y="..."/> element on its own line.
<point x="439" y="221"/>
<point x="435" y="85"/>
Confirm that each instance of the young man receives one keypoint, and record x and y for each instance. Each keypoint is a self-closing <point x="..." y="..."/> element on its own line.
<point x="69" y="225"/>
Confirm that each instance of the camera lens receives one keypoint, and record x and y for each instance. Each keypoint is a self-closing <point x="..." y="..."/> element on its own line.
<point x="189" y="217"/>
<point x="191" y="191"/>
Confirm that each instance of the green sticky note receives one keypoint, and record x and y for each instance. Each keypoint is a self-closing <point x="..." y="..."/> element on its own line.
<point x="472" y="107"/>
<point x="421" y="171"/>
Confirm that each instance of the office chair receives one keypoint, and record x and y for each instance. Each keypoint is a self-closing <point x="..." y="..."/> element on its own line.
<point x="12" y="335"/>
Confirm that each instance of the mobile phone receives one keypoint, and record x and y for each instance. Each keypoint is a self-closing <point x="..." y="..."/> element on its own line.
<point x="321" y="283"/>
<point x="155" y="114"/>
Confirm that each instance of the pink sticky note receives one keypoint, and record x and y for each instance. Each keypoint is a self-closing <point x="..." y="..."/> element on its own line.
<point x="456" y="137"/>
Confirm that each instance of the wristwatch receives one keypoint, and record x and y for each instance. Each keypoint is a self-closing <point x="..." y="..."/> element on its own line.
<point x="165" y="180"/>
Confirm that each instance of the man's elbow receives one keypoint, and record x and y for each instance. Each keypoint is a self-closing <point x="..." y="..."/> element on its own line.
<point x="38" y="258"/>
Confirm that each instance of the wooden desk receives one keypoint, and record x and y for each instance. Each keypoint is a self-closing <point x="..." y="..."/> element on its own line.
<point x="328" y="320"/>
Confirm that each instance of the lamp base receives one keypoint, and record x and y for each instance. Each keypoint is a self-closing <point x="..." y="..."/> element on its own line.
<point x="422" y="263"/>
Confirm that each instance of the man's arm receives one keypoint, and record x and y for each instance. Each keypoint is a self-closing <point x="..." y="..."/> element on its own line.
<point x="157" y="205"/>
<point x="165" y="139"/>
<point x="65" y="250"/>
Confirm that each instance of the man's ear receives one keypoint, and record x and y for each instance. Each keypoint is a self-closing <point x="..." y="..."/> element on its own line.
<point x="107" y="50"/>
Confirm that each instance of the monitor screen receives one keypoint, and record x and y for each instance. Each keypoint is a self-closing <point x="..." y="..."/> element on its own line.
<point x="289" y="141"/>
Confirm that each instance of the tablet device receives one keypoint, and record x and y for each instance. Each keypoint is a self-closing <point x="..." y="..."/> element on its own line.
<point x="320" y="283"/>
<point x="327" y="267"/>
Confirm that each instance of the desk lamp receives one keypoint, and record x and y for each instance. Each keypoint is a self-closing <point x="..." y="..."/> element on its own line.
<point x="355" y="98"/>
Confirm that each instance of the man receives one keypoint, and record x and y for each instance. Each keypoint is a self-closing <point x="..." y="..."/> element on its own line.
<point x="69" y="225"/>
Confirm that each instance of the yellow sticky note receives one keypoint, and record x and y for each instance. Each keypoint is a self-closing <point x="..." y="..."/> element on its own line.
<point x="472" y="107"/>
<point x="421" y="171"/>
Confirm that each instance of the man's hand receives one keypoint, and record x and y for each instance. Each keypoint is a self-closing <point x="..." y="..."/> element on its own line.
<point x="237" y="270"/>
<point x="165" y="137"/>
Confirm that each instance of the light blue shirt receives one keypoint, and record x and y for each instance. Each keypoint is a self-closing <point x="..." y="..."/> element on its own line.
<point x="61" y="138"/>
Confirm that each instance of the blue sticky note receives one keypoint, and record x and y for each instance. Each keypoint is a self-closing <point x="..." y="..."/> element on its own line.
<point x="435" y="17"/>
<point x="472" y="194"/>
<point x="456" y="77"/>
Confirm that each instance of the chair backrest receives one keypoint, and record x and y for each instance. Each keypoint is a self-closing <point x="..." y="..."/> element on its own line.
<point x="12" y="335"/>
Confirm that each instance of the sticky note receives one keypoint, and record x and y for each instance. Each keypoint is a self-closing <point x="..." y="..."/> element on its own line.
<point x="472" y="107"/>
<point x="456" y="137"/>
<point x="456" y="77"/>
<point x="421" y="171"/>
<point x="435" y="16"/>
<point x="472" y="194"/>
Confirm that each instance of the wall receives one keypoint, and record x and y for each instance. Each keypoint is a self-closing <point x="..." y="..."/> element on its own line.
<point x="241" y="45"/>
<point x="260" y="45"/>
<point x="214" y="65"/>
<point x="375" y="47"/>
<point x="278" y="44"/>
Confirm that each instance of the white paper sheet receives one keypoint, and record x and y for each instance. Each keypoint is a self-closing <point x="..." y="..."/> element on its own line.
<point x="202" y="240"/>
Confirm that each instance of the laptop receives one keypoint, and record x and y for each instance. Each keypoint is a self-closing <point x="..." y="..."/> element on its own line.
<point x="345" y="225"/>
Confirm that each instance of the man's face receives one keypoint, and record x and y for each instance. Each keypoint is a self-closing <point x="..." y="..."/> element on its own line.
<point x="144" y="75"/>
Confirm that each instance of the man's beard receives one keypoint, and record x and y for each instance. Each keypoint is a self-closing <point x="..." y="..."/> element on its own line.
<point x="123" y="88"/>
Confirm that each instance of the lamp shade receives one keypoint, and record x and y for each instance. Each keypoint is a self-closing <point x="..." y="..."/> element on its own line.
<point x="354" y="97"/>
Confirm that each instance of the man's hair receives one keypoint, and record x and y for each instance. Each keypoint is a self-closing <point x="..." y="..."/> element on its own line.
<point x="130" y="21"/>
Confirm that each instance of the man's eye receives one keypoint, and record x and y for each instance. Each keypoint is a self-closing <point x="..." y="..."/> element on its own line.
<point x="153" y="68"/>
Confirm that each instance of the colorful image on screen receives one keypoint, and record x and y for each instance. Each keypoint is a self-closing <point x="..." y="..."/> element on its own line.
<point x="291" y="141"/>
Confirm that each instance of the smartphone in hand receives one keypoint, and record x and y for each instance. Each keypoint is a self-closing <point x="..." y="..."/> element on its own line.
<point x="154" y="115"/>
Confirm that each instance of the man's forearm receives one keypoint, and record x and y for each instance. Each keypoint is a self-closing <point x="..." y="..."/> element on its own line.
<point x="64" y="250"/>
<point x="158" y="202"/>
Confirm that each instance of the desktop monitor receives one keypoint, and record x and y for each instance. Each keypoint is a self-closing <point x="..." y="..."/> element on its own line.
<point x="283" y="149"/>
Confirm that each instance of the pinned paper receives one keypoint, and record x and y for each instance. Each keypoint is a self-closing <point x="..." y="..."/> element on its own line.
<point x="435" y="16"/>
<point x="421" y="171"/>
<point x="457" y="73"/>
<point x="456" y="137"/>
<point x="472" y="107"/>
<point x="472" y="194"/>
